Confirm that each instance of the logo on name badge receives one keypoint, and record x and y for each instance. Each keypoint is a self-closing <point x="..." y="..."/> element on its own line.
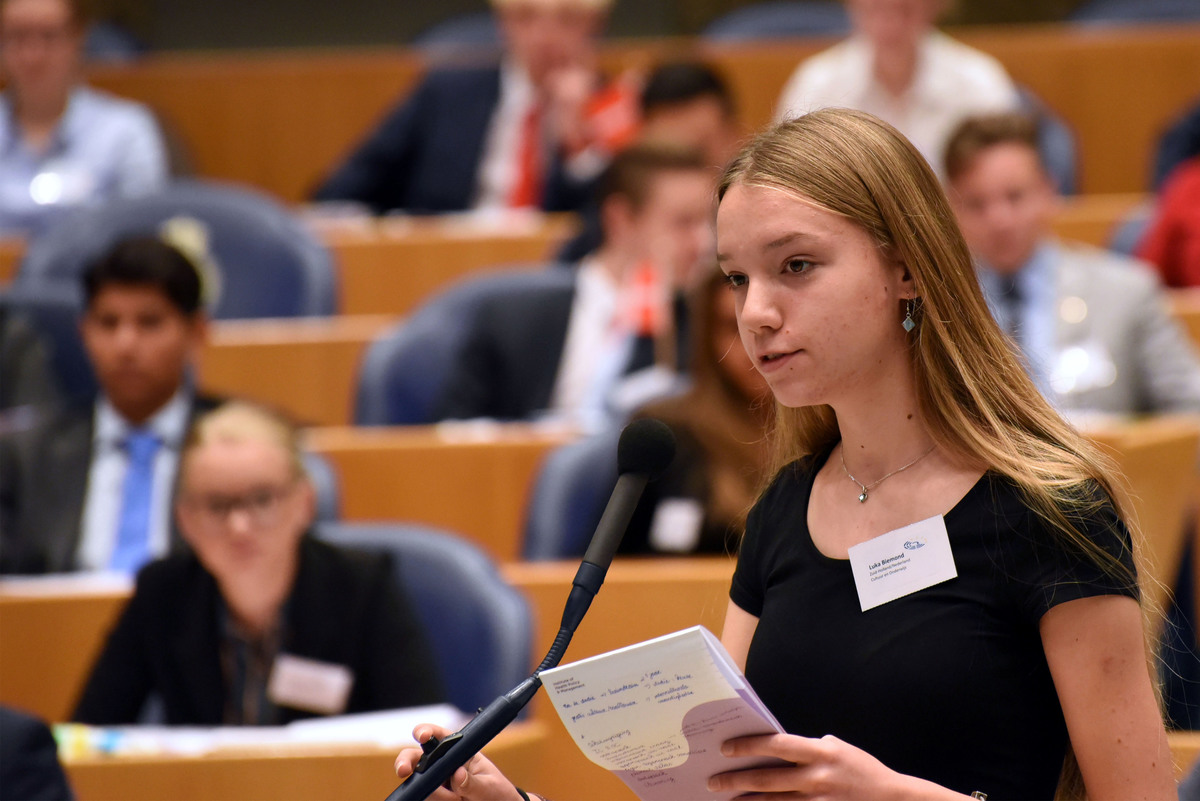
<point x="912" y="545"/>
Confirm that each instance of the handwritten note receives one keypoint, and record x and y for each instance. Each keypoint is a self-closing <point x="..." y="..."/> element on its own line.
<point x="657" y="712"/>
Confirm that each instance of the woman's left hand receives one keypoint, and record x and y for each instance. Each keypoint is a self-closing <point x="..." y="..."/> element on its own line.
<point x="824" y="768"/>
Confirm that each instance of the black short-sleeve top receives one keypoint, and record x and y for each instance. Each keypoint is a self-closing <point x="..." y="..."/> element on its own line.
<point x="949" y="684"/>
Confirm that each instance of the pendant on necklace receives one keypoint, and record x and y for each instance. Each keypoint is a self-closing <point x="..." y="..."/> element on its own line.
<point x="863" y="498"/>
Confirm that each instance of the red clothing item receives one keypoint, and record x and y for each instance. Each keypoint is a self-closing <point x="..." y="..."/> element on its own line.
<point x="1172" y="242"/>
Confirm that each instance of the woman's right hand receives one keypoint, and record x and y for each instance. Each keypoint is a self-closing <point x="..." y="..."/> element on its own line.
<point x="477" y="780"/>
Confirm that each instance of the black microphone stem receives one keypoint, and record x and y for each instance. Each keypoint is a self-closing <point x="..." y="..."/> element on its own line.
<point x="651" y="447"/>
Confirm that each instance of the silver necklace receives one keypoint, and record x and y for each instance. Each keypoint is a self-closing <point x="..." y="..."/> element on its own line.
<point x="862" y="498"/>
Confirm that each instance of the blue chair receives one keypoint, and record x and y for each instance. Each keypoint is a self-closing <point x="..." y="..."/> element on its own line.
<point x="1130" y="229"/>
<point x="1121" y="12"/>
<point x="779" y="19"/>
<point x="479" y="627"/>
<point x="109" y="42"/>
<point x="1056" y="142"/>
<point x="53" y="312"/>
<point x="405" y="368"/>
<point x="327" y="485"/>
<point x="570" y="492"/>
<point x="463" y="33"/>
<point x="271" y="265"/>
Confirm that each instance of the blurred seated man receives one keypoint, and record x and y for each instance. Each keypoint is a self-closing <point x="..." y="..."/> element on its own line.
<point x="88" y="486"/>
<point x="899" y="67"/>
<point x="533" y="132"/>
<point x="564" y="352"/>
<point x="1093" y="326"/>
<point x="260" y="623"/>
<point x="689" y="104"/>
<point x="61" y="143"/>
<point x="685" y="104"/>
<point x="1172" y="240"/>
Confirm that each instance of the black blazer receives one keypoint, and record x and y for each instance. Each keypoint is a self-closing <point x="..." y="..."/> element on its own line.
<point x="509" y="361"/>
<point x="344" y="608"/>
<point x="510" y="358"/>
<point x="425" y="155"/>
<point x="43" y="486"/>
<point x="29" y="767"/>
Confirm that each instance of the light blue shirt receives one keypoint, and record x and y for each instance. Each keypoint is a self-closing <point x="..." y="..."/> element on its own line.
<point x="103" y="147"/>
<point x="106" y="478"/>
<point x="1036" y="283"/>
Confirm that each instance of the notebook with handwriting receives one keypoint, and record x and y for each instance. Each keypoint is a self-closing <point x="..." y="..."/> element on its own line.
<point x="656" y="713"/>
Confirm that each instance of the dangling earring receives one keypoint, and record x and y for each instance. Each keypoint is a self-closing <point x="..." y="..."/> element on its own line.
<point x="909" y="323"/>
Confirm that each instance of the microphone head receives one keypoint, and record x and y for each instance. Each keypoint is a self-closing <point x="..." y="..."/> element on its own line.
<point x="647" y="446"/>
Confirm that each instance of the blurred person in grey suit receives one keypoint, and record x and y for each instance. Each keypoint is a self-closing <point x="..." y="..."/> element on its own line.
<point x="1093" y="326"/>
<point x="88" y="485"/>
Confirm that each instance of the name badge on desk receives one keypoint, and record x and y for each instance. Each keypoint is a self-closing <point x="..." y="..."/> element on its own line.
<point x="902" y="562"/>
<point x="299" y="683"/>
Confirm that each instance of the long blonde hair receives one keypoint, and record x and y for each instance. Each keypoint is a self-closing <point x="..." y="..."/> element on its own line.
<point x="978" y="401"/>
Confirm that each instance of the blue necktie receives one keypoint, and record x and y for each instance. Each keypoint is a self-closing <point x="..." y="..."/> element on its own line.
<point x="132" y="548"/>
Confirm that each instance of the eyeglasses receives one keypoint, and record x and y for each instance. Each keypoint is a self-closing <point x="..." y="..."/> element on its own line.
<point x="261" y="506"/>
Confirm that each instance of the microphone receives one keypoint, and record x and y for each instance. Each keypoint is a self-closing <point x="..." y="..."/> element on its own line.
<point x="644" y="451"/>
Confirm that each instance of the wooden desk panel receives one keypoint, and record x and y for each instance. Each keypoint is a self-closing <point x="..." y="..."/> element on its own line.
<point x="287" y="773"/>
<point x="48" y="644"/>
<point x="1157" y="458"/>
<point x="391" y="266"/>
<point x="306" y="367"/>
<point x="12" y="250"/>
<point x="1093" y="218"/>
<point x="1185" y="750"/>
<point x="282" y="121"/>
<point x="473" y="483"/>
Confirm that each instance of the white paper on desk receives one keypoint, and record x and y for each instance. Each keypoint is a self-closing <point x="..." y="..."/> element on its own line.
<point x="656" y="713"/>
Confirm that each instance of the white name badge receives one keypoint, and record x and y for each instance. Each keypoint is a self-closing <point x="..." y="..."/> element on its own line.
<point x="299" y="683"/>
<point x="902" y="562"/>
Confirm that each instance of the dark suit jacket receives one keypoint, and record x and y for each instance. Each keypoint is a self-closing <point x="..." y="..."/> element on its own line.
<point x="424" y="157"/>
<point x="29" y="767"/>
<point x="510" y="358"/>
<point x="43" y="486"/>
<point x="344" y="608"/>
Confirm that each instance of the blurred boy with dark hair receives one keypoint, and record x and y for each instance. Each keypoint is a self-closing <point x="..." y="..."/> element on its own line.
<point x="89" y="485"/>
<point x="562" y="351"/>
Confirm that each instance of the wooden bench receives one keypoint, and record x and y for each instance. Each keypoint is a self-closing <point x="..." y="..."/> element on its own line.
<point x="468" y="479"/>
<point x="282" y="121"/>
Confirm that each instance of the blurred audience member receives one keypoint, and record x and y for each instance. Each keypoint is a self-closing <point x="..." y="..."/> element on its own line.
<point x="689" y="104"/>
<point x="61" y="143"/>
<point x="898" y="67"/>
<point x="29" y="766"/>
<point x="88" y="486"/>
<point x="260" y="623"/>
<point x="1172" y="241"/>
<point x="534" y="131"/>
<point x="683" y="104"/>
<point x="1093" y="326"/>
<point x="699" y="505"/>
<point x="564" y="352"/>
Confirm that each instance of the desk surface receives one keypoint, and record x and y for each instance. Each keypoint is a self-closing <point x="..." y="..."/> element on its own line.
<point x="309" y="772"/>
